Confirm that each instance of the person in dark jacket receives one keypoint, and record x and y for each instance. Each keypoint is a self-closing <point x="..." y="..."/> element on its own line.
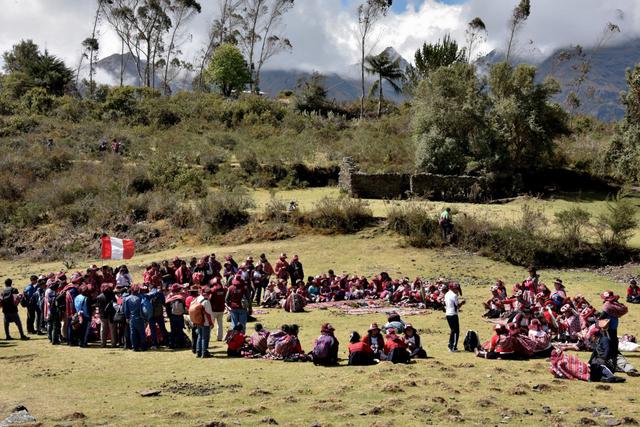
<point x="37" y="301"/>
<point x="412" y="339"/>
<point x="27" y="294"/>
<point x="296" y="272"/>
<point x="10" y="309"/>
<point x="602" y="361"/>
<point x="105" y="301"/>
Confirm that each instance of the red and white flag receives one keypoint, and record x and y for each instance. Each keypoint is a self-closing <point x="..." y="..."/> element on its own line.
<point x="114" y="248"/>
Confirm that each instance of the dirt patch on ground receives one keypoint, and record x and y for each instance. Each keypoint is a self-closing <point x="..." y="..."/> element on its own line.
<point x="198" y="389"/>
<point x="23" y="358"/>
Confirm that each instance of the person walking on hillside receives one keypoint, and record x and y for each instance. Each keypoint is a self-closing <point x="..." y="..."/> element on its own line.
<point x="446" y="223"/>
<point x="10" y="309"/>
<point x="452" y="306"/>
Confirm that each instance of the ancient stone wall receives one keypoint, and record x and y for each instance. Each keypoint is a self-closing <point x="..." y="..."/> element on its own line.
<point x="448" y="188"/>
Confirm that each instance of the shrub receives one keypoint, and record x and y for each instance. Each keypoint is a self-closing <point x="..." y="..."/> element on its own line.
<point x="38" y="101"/>
<point x="182" y="217"/>
<point x="140" y="184"/>
<point x="15" y="125"/>
<point x="340" y="214"/>
<point x="161" y="205"/>
<point x="275" y="210"/>
<point x="418" y="226"/>
<point x="615" y="227"/>
<point x="223" y="211"/>
<point x="572" y="223"/>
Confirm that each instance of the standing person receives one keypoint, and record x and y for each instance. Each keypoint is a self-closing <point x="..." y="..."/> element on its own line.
<point x="214" y="266"/>
<point x="237" y="302"/>
<point x="282" y="268"/>
<point x="446" y="223"/>
<point x="10" y="309"/>
<point x="218" y="296"/>
<point x="452" y="305"/>
<point x="27" y="293"/>
<point x="38" y="300"/>
<point x="133" y="313"/>
<point x="204" y="327"/>
<point x="257" y="279"/>
<point x="156" y="322"/>
<point x="81" y="302"/>
<point x="105" y="301"/>
<point x="53" y="312"/>
<point x="295" y="270"/>
<point x="176" y="309"/>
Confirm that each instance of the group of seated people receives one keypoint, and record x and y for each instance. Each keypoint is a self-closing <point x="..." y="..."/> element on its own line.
<point x="330" y="287"/>
<point x="399" y="344"/>
<point x="538" y="322"/>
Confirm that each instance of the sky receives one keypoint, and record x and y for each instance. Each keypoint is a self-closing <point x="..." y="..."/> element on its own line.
<point x="323" y="32"/>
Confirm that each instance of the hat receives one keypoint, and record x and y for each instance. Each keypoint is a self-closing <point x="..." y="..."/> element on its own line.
<point x="94" y="267"/>
<point x="409" y="326"/>
<point x="499" y="327"/>
<point x="283" y="255"/>
<point x="327" y="327"/>
<point x="608" y="296"/>
<point x="603" y="323"/>
<point x="295" y="258"/>
<point x="213" y="281"/>
<point x="194" y="288"/>
<point x="565" y="308"/>
<point x="42" y="277"/>
<point x="633" y="282"/>
<point x="250" y="259"/>
<point x="75" y="278"/>
<point x="175" y="288"/>
<point x="558" y="282"/>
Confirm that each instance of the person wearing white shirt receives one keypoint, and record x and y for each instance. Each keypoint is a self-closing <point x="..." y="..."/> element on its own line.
<point x="452" y="305"/>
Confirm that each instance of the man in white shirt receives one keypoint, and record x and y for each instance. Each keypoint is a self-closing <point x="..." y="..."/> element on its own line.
<point x="204" y="330"/>
<point x="452" y="304"/>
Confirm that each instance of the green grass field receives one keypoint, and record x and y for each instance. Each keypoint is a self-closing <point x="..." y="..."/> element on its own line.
<point x="58" y="383"/>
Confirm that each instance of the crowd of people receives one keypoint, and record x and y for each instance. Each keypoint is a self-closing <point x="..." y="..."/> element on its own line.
<point x="105" y="305"/>
<point x="537" y="321"/>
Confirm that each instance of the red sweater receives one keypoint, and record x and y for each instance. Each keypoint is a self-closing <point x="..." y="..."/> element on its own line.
<point x="360" y="346"/>
<point x="236" y="341"/>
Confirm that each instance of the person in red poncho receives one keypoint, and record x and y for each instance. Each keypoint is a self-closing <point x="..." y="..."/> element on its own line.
<point x="395" y="348"/>
<point x="633" y="292"/>
<point x="360" y="353"/>
<point x="235" y="341"/>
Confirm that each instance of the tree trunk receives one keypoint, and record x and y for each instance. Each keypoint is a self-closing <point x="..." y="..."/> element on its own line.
<point x="380" y="96"/>
<point x="122" y="63"/>
<point x="362" y="77"/>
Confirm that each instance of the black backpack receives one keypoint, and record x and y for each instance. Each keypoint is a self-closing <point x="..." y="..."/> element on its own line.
<point x="118" y="312"/>
<point x="471" y="341"/>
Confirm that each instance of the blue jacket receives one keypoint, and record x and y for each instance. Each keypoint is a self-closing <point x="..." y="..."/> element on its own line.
<point x="81" y="304"/>
<point x="133" y="307"/>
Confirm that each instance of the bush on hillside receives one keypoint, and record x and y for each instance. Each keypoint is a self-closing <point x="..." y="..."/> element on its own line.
<point x="419" y="227"/>
<point x="341" y="214"/>
<point x="223" y="211"/>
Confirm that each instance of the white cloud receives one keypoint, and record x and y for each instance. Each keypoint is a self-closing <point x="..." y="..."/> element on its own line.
<point x="323" y="31"/>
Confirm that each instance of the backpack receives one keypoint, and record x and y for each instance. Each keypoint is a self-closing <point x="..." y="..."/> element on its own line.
<point x="118" y="311"/>
<point x="196" y="313"/>
<point x="178" y="308"/>
<point x="61" y="302"/>
<point x="156" y="302"/>
<point x="471" y="341"/>
<point x="146" y="308"/>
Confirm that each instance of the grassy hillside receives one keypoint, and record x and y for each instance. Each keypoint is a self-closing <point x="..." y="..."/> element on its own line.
<point x="445" y="389"/>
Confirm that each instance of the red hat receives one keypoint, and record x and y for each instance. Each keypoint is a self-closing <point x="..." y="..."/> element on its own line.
<point x="327" y="328"/>
<point x="175" y="288"/>
<point x="608" y="296"/>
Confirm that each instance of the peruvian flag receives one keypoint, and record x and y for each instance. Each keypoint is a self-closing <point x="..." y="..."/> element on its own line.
<point x="114" y="248"/>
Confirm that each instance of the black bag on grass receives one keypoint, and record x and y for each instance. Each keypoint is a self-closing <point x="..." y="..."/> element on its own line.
<point x="471" y="341"/>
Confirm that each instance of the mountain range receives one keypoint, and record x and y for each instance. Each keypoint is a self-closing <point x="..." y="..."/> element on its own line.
<point x="599" y="92"/>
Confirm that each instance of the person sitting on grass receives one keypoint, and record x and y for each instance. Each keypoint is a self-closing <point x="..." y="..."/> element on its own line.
<point x="235" y="341"/>
<point x="325" y="348"/>
<point x="633" y="292"/>
<point x="258" y="340"/>
<point x="501" y="345"/>
<point x="395" y="348"/>
<point x="288" y="347"/>
<point x="412" y="339"/>
<point x="375" y="340"/>
<point x="360" y="353"/>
